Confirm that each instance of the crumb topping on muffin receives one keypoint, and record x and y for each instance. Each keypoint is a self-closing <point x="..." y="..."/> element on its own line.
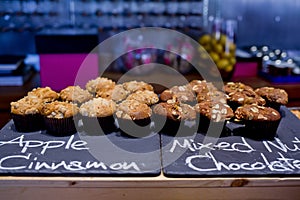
<point x="271" y="94"/>
<point x="214" y="111"/>
<point x="26" y="106"/>
<point x="59" y="110"/>
<point x="75" y="94"/>
<point x="133" y="86"/>
<point x="133" y="110"/>
<point x="44" y="93"/>
<point x="98" y="107"/>
<point x="257" y="113"/>
<point x="100" y="84"/>
<point x="119" y="93"/>
<point x="148" y="97"/>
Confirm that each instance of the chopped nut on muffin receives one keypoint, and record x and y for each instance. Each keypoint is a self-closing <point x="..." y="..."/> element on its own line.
<point x="274" y="97"/>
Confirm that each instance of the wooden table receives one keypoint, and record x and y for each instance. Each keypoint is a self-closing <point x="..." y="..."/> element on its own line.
<point x="148" y="188"/>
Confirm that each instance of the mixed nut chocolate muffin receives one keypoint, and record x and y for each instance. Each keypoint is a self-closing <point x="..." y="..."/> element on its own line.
<point x="172" y="115"/>
<point x="214" y="113"/>
<point x="274" y="97"/>
<point x="183" y="94"/>
<point x="260" y="122"/>
<point x="240" y="94"/>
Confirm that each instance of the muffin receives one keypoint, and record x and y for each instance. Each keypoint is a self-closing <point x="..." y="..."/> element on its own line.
<point x="75" y="94"/>
<point x="214" y="114"/>
<point x="133" y="86"/>
<point x="101" y="87"/>
<point x="119" y="93"/>
<point x="240" y="98"/>
<point x="44" y="93"/>
<point x="260" y="122"/>
<point x="201" y="87"/>
<point x="174" y="118"/>
<point x="60" y="118"/>
<point x="274" y="97"/>
<point x="212" y="96"/>
<point x="183" y="94"/>
<point x="26" y="114"/>
<point x="96" y="113"/>
<point x="146" y="96"/>
<point x="134" y="118"/>
<point x="236" y="87"/>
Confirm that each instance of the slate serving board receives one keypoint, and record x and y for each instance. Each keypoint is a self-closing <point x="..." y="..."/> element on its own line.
<point x="200" y="156"/>
<point x="37" y="153"/>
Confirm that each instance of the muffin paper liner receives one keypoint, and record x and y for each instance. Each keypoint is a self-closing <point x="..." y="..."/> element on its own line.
<point x="98" y="125"/>
<point x="28" y="123"/>
<point x="60" y="127"/>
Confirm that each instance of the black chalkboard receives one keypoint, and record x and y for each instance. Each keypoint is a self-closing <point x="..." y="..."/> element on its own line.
<point x="38" y="153"/>
<point x="200" y="156"/>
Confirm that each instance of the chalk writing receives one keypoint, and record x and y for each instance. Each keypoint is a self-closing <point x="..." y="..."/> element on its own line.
<point x="30" y="162"/>
<point x="193" y="146"/>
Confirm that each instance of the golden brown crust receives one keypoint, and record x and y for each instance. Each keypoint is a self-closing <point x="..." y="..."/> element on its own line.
<point x="99" y="85"/>
<point x="271" y="95"/>
<point x="75" y="94"/>
<point x="133" y="86"/>
<point x="146" y="96"/>
<point x="59" y="110"/>
<point x="257" y="113"/>
<point x="119" y="93"/>
<point x="26" y="106"/>
<point x="44" y="93"/>
<point x="98" y="107"/>
<point x="133" y="110"/>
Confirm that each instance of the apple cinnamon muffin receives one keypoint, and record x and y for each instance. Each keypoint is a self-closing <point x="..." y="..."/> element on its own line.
<point x="75" y="94"/>
<point x="60" y="118"/>
<point x="26" y="114"/>
<point x="98" y="113"/>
